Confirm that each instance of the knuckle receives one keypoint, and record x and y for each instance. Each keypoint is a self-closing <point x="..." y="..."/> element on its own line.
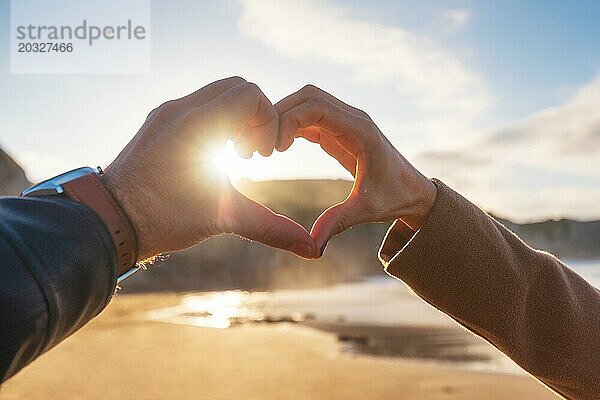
<point x="152" y="113"/>
<point x="310" y="90"/>
<point x="249" y="92"/>
<point x="369" y="128"/>
<point x="363" y="114"/>
<point x="235" y="80"/>
<point x="167" y="109"/>
<point x="252" y="88"/>
<point x="377" y="138"/>
<point x="164" y="113"/>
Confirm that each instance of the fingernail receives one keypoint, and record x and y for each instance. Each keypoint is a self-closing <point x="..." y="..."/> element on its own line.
<point x="303" y="249"/>
<point x="323" y="249"/>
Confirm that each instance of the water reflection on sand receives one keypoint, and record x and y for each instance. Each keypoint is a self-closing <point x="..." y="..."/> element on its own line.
<point x="378" y="317"/>
<point x="222" y="310"/>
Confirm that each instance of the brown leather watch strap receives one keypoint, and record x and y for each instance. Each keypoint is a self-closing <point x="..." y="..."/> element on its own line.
<point x="90" y="191"/>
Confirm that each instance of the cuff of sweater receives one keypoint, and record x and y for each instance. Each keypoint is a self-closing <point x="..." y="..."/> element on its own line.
<point x="408" y="255"/>
<point x="397" y="236"/>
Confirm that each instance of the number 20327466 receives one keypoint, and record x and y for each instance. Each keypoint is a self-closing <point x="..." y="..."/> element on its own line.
<point x="44" y="47"/>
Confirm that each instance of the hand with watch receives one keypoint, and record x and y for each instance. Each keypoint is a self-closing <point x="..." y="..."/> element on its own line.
<point x="84" y="185"/>
<point x="162" y="195"/>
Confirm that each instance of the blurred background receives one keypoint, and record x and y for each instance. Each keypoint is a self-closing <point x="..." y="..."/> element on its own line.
<point x="497" y="99"/>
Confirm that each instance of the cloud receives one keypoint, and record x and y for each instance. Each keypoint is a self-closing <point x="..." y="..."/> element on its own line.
<point x="456" y="19"/>
<point x="514" y="170"/>
<point x="429" y="76"/>
<point x="566" y="131"/>
<point x="455" y="158"/>
<point x="548" y="163"/>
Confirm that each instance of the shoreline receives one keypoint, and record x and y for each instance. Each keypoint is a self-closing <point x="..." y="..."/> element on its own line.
<point x="122" y="352"/>
<point x="365" y="318"/>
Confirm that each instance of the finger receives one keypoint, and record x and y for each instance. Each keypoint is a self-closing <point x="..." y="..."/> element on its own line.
<point x="302" y="95"/>
<point x="259" y="223"/>
<point x="209" y="92"/>
<point x="333" y="221"/>
<point x="247" y="104"/>
<point x="243" y="150"/>
<point x="172" y="108"/>
<point x="352" y="132"/>
<point x="243" y="142"/>
<point x="309" y="91"/>
<point x="234" y="108"/>
<point x="266" y="128"/>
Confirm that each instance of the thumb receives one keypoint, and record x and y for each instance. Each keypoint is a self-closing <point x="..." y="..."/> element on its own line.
<point x="333" y="221"/>
<point x="257" y="222"/>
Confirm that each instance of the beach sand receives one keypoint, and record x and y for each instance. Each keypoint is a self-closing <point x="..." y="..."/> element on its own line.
<point x="123" y="355"/>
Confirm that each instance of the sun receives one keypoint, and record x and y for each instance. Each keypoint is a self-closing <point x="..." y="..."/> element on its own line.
<point x="221" y="160"/>
<point x="225" y="161"/>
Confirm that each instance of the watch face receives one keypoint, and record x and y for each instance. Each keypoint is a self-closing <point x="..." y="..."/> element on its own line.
<point x="53" y="186"/>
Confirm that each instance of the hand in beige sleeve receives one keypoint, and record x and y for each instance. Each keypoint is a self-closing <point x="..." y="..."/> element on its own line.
<point x="453" y="255"/>
<point x="525" y="302"/>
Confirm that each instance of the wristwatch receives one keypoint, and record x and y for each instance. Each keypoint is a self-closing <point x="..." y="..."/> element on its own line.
<point x="84" y="186"/>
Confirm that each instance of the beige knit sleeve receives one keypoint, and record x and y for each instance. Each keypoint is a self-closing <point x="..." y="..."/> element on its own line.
<point x="525" y="302"/>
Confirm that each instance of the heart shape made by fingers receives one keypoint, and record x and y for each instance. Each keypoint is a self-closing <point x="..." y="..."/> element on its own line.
<point x="385" y="188"/>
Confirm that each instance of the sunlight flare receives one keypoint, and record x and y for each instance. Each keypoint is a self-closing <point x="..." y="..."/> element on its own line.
<point x="225" y="161"/>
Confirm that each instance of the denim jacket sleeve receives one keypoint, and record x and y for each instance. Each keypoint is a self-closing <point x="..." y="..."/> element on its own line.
<point x="57" y="271"/>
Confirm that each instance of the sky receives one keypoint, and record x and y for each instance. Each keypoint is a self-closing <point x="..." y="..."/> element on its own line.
<point x="500" y="100"/>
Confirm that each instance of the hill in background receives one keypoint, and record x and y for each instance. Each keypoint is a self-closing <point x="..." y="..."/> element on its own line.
<point x="305" y="199"/>
<point x="12" y="176"/>
<point x="229" y="262"/>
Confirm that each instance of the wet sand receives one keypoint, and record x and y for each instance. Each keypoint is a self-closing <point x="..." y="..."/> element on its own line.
<point x="123" y="355"/>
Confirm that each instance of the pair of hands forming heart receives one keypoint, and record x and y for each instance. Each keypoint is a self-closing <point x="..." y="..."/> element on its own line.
<point x="158" y="178"/>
